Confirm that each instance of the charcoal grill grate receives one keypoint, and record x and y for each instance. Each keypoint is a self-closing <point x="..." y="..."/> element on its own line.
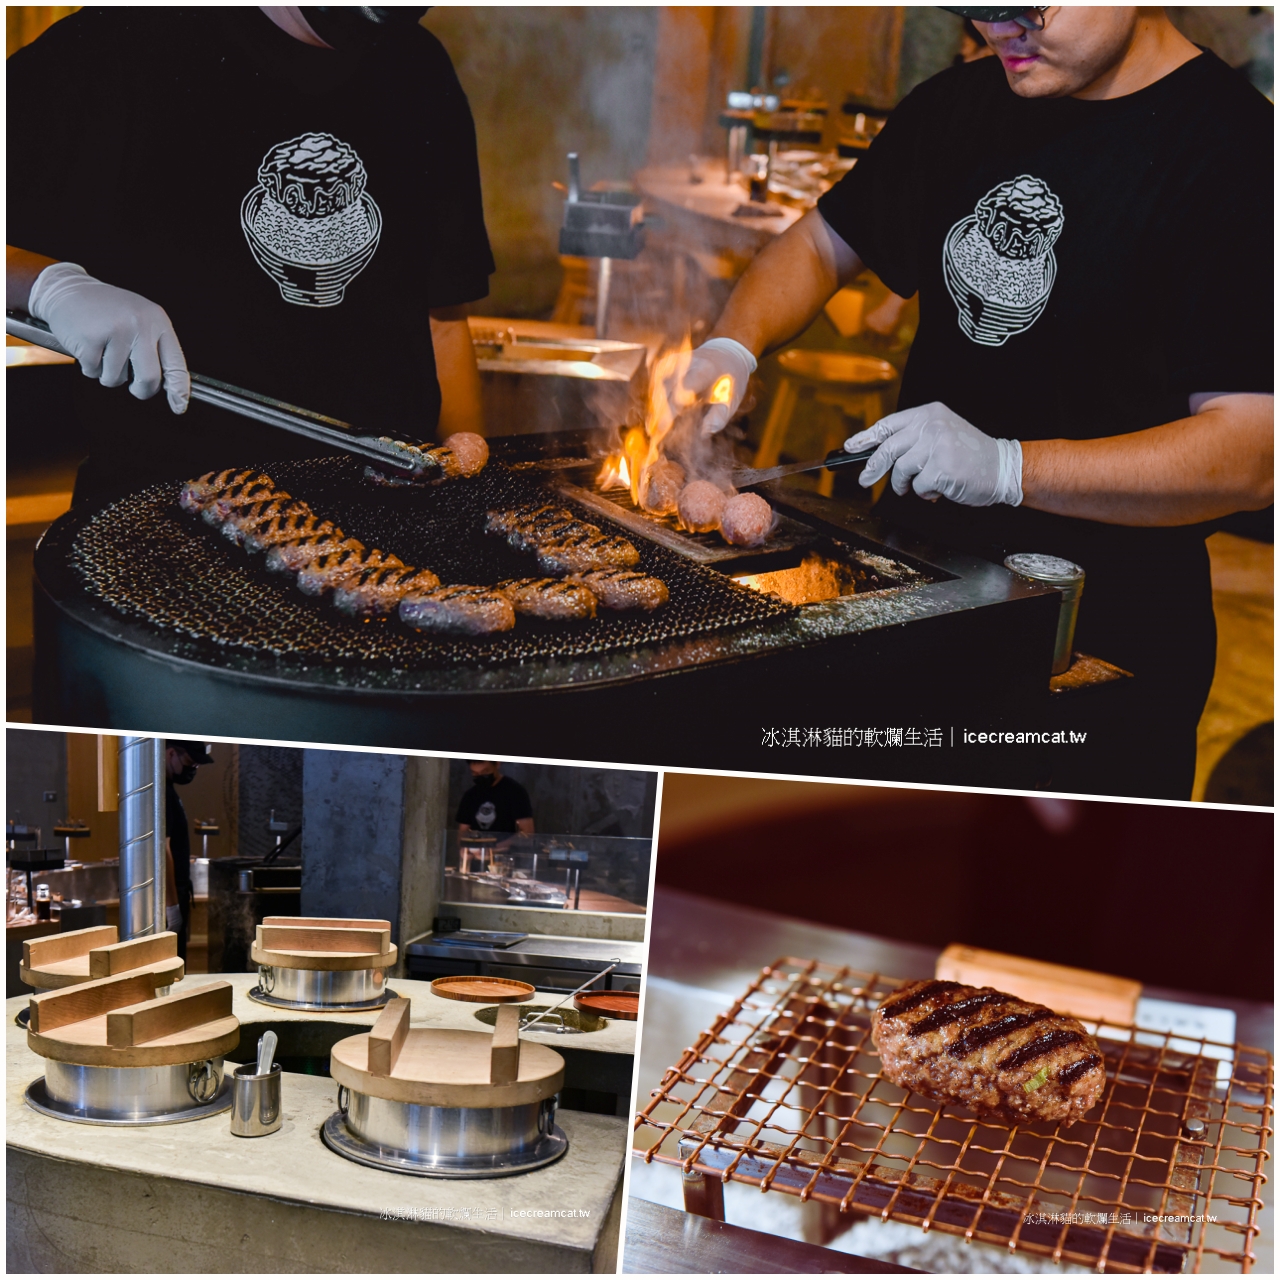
<point x="146" y="559"/>
<point x="784" y="1091"/>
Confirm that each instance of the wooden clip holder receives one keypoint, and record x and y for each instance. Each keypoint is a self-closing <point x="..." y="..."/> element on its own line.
<point x="1096" y="997"/>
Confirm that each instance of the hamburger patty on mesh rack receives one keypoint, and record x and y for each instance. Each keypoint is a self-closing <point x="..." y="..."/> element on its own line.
<point x="1001" y="1057"/>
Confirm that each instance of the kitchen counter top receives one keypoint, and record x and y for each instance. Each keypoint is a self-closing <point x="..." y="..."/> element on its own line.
<point x="191" y="1197"/>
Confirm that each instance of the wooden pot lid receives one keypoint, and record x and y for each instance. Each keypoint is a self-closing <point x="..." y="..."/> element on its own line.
<point x="119" y="1022"/>
<point x="68" y="959"/>
<point x="325" y="943"/>
<point x="479" y="990"/>
<point x="434" y="1067"/>
<point x="610" y="1004"/>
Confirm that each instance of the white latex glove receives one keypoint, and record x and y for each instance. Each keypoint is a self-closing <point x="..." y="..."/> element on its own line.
<point x="940" y="455"/>
<point x="173" y="919"/>
<point x="107" y="329"/>
<point x="711" y="362"/>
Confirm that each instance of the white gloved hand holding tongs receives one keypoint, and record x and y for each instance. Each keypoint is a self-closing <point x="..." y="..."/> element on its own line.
<point x="108" y="329"/>
<point x="938" y="454"/>
<point x="710" y="365"/>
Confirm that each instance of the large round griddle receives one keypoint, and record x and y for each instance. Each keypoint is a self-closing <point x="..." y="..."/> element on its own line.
<point x="148" y="561"/>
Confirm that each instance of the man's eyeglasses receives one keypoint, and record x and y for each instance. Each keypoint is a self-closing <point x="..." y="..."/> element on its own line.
<point x="1030" y="19"/>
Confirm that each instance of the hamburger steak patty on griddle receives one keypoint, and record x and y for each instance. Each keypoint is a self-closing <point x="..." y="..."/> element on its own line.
<point x="1001" y="1057"/>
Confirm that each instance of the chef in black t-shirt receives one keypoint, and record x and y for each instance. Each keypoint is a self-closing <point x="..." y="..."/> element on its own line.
<point x="288" y="197"/>
<point x="494" y="802"/>
<point x="1087" y="218"/>
<point x="182" y="759"/>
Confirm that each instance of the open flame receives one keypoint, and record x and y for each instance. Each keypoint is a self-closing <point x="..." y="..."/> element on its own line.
<point x="615" y="473"/>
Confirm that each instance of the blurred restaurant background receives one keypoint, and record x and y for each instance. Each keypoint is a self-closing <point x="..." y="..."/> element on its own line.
<point x="723" y="124"/>
<point x="287" y="831"/>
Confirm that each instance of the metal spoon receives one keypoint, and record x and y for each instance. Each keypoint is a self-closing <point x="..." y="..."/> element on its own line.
<point x="266" y="1053"/>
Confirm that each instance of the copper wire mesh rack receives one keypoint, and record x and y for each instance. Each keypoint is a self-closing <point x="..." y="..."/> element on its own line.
<point x="784" y="1091"/>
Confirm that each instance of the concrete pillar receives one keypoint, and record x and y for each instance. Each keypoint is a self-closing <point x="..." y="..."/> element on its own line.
<point x="373" y="837"/>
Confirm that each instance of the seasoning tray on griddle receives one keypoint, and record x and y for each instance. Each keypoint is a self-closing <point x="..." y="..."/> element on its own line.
<point x="147" y="560"/>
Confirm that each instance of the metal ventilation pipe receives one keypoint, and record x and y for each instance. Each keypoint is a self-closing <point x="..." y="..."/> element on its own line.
<point x="142" y="828"/>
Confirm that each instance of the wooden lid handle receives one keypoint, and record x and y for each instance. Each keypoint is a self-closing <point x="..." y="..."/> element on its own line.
<point x="504" y="1056"/>
<point x="118" y="957"/>
<point x="66" y="946"/>
<point x="275" y="937"/>
<point x="387" y="1037"/>
<point x="89" y="1000"/>
<point x="167" y="1015"/>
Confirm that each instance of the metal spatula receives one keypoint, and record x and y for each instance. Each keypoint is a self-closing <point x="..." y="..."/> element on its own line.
<point x="745" y="477"/>
<point x="248" y="404"/>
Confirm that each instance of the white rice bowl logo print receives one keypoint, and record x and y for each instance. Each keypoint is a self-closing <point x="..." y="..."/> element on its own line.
<point x="310" y="223"/>
<point x="998" y="262"/>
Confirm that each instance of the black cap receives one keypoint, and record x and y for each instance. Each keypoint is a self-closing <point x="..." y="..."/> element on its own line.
<point x="198" y="751"/>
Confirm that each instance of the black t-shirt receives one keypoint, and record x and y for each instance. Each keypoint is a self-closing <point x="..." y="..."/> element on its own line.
<point x="1083" y="267"/>
<point x="297" y="211"/>
<point x="175" y="821"/>
<point x="494" y="808"/>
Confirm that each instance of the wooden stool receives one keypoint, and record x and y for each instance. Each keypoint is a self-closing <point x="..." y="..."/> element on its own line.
<point x="852" y="383"/>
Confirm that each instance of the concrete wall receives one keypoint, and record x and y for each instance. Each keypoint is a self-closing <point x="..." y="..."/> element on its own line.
<point x="373" y="837"/>
<point x="36" y="762"/>
<point x="575" y="800"/>
<point x="267" y="778"/>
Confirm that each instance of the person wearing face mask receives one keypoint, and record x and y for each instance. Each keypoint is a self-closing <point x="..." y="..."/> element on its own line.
<point x="271" y="193"/>
<point x="1087" y="217"/>
<point x="494" y="803"/>
<point x="182" y="760"/>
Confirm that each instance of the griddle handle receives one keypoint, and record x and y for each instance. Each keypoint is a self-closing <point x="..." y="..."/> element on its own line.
<point x="838" y="457"/>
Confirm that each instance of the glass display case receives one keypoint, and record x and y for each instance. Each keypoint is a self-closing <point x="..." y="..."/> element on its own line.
<point x="571" y="873"/>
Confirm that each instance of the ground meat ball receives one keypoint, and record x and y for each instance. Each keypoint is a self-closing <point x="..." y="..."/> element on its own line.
<point x="472" y="611"/>
<point x="470" y="453"/>
<point x="661" y="491"/>
<point x="746" y="520"/>
<point x="700" y="506"/>
<point x="1002" y="1057"/>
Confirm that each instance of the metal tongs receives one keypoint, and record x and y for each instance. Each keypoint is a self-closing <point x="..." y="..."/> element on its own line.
<point x="274" y="413"/>
<point x="745" y="477"/>
<point x="546" y="1013"/>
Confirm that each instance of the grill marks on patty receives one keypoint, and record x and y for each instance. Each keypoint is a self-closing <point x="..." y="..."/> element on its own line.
<point x="976" y="1037"/>
<point x="1045" y="1045"/>
<point x="988" y="1050"/>
<point x="958" y="1009"/>
<point x="568" y="546"/>
<point x="896" y="1008"/>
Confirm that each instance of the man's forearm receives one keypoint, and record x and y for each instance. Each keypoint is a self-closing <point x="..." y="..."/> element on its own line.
<point x="1197" y="468"/>
<point x="21" y="269"/>
<point x="786" y="285"/>
<point x="456" y="372"/>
